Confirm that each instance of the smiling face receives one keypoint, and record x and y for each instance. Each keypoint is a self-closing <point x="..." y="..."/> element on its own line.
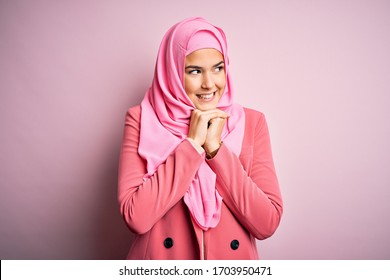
<point x="204" y="78"/>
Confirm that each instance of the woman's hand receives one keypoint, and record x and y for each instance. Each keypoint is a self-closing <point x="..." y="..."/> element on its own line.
<point x="206" y="128"/>
<point x="214" y="133"/>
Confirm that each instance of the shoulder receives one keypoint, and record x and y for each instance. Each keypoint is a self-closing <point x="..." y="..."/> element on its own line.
<point x="133" y="115"/>
<point x="134" y="111"/>
<point x="253" y="113"/>
<point x="253" y="117"/>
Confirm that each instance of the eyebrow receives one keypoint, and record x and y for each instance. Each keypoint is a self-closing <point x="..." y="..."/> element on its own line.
<point x="198" y="67"/>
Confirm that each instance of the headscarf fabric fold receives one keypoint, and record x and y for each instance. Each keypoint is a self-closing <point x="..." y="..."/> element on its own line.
<point x="166" y="113"/>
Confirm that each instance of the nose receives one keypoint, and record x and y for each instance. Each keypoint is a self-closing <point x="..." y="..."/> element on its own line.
<point x="207" y="81"/>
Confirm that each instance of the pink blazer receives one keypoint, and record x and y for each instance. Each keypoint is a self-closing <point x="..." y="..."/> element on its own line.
<point x="154" y="210"/>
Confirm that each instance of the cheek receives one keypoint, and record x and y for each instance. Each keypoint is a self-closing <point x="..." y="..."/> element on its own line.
<point x="190" y="85"/>
<point x="221" y="81"/>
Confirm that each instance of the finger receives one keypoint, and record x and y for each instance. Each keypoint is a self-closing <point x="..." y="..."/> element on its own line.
<point x="212" y="112"/>
<point x="215" y="114"/>
<point x="217" y="120"/>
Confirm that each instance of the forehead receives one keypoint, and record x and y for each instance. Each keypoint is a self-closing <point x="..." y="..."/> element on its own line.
<point x="204" y="57"/>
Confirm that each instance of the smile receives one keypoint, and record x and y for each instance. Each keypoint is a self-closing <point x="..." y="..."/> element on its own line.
<point x="206" y="96"/>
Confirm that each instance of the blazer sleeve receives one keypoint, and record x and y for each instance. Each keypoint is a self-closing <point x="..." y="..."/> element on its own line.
<point x="143" y="203"/>
<point x="252" y="195"/>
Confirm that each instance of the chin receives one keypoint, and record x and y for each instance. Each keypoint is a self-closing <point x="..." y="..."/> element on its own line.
<point x="206" y="107"/>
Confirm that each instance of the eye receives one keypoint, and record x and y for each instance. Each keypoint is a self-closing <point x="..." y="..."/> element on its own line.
<point x="193" y="72"/>
<point x="219" y="68"/>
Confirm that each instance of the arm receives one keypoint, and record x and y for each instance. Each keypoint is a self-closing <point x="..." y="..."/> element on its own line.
<point x="143" y="203"/>
<point x="253" y="196"/>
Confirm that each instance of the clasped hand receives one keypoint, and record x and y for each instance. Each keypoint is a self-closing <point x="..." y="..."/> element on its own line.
<point x="206" y="128"/>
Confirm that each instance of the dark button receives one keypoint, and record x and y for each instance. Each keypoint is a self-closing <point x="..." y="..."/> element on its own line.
<point x="234" y="244"/>
<point x="168" y="242"/>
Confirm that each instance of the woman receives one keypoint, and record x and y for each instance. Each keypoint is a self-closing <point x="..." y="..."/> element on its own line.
<point x="196" y="174"/>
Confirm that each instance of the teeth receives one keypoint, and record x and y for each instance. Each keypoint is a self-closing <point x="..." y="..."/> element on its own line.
<point x="205" y="96"/>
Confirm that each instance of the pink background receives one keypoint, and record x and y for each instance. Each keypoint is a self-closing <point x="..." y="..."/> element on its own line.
<point x="319" y="70"/>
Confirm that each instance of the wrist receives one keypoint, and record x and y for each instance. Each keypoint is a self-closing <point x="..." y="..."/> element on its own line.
<point x="196" y="145"/>
<point x="211" y="151"/>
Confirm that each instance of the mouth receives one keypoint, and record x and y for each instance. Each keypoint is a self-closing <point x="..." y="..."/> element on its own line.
<point x="206" y="96"/>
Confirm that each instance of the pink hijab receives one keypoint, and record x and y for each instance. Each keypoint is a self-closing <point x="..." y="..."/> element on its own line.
<point x="166" y="111"/>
